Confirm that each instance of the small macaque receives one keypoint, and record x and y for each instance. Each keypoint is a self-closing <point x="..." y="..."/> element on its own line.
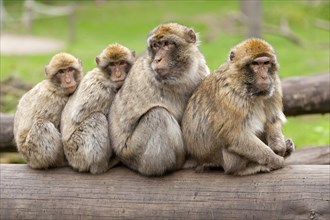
<point x="84" y="123"/>
<point x="38" y="115"/>
<point x="233" y="120"/>
<point x="146" y="114"/>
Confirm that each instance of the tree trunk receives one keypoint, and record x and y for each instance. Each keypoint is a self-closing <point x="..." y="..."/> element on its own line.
<point x="294" y="192"/>
<point x="253" y="17"/>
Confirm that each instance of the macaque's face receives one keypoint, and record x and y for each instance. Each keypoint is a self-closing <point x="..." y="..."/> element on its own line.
<point x="260" y="76"/>
<point x="169" y="49"/>
<point x="68" y="79"/>
<point x="117" y="70"/>
<point x="162" y="53"/>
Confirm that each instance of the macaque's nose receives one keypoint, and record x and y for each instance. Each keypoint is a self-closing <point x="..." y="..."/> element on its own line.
<point x="68" y="79"/>
<point x="158" y="59"/>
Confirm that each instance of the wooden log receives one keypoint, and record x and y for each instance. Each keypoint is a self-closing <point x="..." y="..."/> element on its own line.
<point x="306" y="95"/>
<point x="310" y="155"/>
<point x="6" y="130"/>
<point x="294" y="192"/>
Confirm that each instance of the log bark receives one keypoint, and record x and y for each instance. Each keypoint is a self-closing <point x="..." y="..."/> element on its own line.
<point x="294" y="192"/>
<point x="306" y="95"/>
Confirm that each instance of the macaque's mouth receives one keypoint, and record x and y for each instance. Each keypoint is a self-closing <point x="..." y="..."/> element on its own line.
<point x="70" y="89"/>
<point x="261" y="93"/>
<point x="118" y="80"/>
<point x="162" y="71"/>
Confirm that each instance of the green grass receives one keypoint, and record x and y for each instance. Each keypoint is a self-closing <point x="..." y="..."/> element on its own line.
<point x="129" y="22"/>
<point x="310" y="130"/>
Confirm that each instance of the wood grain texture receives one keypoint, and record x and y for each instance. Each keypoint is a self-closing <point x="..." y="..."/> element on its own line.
<point x="294" y="192"/>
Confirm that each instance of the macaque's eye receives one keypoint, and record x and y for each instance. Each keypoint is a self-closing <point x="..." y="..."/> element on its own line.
<point x="61" y="71"/>
<point x="254" y="63"/>
<point x="155" y="45"/>
<point x="70" y="69"/>
<point x="122" y="63"/>
<point x="168" y="44"/>
<point x="112" y="64"/>
<point x="267" y="63"/>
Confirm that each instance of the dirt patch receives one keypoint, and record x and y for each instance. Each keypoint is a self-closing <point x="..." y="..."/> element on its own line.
<point x="11" y="44"/>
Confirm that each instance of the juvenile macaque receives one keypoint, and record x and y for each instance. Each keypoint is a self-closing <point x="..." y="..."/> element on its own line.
<point x="84" y="123"/>
<point x="146" y="113"/>
<point x="37" y="120"/>
<point x="234" y="117"/>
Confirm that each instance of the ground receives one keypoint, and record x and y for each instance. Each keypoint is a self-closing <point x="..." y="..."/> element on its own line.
<point x="11" y="44"/>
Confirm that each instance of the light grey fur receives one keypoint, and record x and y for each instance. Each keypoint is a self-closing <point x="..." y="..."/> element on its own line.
<point x="146" y="114"/>
<point x="84" y="124"/>
<point x="37" y="119"/>
<point x="36" y="126"/>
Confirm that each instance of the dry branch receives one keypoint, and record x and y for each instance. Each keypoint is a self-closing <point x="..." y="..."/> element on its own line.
<point x="323" y="24"/>
<point x="283" y="30"/>
<point x="294" y="192"/>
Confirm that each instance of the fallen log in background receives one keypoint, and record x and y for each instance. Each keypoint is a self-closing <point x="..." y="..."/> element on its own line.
<point x="6" y="130"/>
<point x="294" y="192"/>
<point x="306" y="95"/>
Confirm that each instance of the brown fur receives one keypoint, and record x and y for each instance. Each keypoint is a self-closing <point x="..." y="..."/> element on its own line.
<point x="62" y="60"/>
<point x="115" y="52"/>
<point x="226" y="125"/>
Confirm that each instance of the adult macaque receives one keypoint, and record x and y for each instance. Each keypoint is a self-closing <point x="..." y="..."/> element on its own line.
<point x="84" y="123"/>
<point x="37" y="120"/>
<point x="234" y="117"/>
<point x="146" y="114"/>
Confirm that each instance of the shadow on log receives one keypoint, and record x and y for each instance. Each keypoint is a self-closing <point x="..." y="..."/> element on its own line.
<point x="294" y="192"/>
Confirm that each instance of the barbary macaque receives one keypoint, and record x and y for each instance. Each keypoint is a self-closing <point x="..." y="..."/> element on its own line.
<point x="146" y="114"/>
<point x="84" y="123"/>
<point x="37" y="119"/>
<point x="233" y="119"/>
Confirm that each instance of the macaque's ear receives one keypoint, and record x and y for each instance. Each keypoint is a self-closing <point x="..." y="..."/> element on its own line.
<point x="133" y="53"/>
<point x="232" y="55"/>
<point x="97" y="60"/>
<point x="79" y="61"/>
<point x="191" y="36"/>
<point x="46" y="70"/>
